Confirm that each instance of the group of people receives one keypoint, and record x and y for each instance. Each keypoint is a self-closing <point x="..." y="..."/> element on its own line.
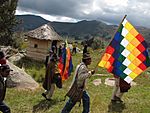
<point x="78" y="91"/>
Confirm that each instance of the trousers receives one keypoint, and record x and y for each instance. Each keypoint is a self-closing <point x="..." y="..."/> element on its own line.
<point x="70" y="104"/>
<point x="116" y="90"/>
<point x="50" y="92"/>
<point x="4" y="108"/>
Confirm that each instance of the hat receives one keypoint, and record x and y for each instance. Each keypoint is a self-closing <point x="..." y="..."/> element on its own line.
<point x="5" y="67"/>
<point x="86" y="56"/>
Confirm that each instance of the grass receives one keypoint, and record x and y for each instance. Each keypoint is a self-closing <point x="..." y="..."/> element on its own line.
<point x="25" y="101"/>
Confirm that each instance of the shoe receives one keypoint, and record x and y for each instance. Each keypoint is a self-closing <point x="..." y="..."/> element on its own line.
<point x="48" y="99"/>
<point x="44" y="95"/>
<point x="117" y="99"/>
<point x="113" y="101"/>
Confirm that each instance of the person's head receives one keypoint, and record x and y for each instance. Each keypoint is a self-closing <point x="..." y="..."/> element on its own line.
<point x="85" y="45"/>
<point x="54" y="49"/>
<point x="5" y="70"/>
<point x="86" y="58"/>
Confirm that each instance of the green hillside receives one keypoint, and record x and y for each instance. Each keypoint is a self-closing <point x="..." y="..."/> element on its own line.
<point x="79" y="30"/>
<point x="136" y="100"/>
<point x="83" y="28"/>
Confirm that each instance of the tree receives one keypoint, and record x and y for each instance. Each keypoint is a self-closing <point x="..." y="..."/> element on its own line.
<point x="7" y="21"/>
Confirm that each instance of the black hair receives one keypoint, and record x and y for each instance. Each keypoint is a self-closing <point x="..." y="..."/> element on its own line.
<point x="84" y="60"/>
<point x="4" y="67"/>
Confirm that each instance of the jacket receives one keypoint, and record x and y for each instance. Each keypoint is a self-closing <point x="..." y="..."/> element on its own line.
<point x="83" y="74"/>
<point x="51" y="72"/>
<point x="2" y="88"/>
<point x="78" y="84"/>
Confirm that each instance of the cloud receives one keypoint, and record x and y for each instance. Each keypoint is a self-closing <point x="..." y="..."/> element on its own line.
<point x="110" y="11"/>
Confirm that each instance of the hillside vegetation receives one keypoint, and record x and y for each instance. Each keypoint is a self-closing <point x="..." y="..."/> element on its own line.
<point x="24" y="101"/>
<point x="79" y="30"/>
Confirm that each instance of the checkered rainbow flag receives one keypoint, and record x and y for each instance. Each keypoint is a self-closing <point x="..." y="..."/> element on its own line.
<point x="126" y="56"/>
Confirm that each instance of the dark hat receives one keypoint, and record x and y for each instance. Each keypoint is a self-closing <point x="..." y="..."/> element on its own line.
<point x="5" y="67"/>
<point x="86" y="56"/>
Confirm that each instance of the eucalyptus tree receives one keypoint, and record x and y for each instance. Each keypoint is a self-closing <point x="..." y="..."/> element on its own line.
<point x="7" y="21"/>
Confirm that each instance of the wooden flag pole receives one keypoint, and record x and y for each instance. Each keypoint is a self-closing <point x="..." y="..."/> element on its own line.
<point x="110" y="40"/>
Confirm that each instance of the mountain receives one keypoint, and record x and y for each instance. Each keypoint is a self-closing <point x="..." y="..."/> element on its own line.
<point x="80" y="30"/>
<point x="83" y="28"/>
<point x="29" y="22"/>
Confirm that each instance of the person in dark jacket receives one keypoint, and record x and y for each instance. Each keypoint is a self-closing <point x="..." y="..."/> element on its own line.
<point x="51" y="74"/>
<point x="4" y="73"/>
<point x="85" y="49"/>
<point x="48" y="57"/>
<point x="74" y="49"/>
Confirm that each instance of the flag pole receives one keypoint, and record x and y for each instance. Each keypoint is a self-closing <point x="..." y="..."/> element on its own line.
<point x="110" y="41"/>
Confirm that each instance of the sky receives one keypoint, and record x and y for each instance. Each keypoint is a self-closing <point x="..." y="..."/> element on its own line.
<point x="108" y="11"/>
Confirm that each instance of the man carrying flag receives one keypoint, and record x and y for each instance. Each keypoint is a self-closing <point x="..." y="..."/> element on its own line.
<point x="126" y="57"/>
<point x="78" y="90"/>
